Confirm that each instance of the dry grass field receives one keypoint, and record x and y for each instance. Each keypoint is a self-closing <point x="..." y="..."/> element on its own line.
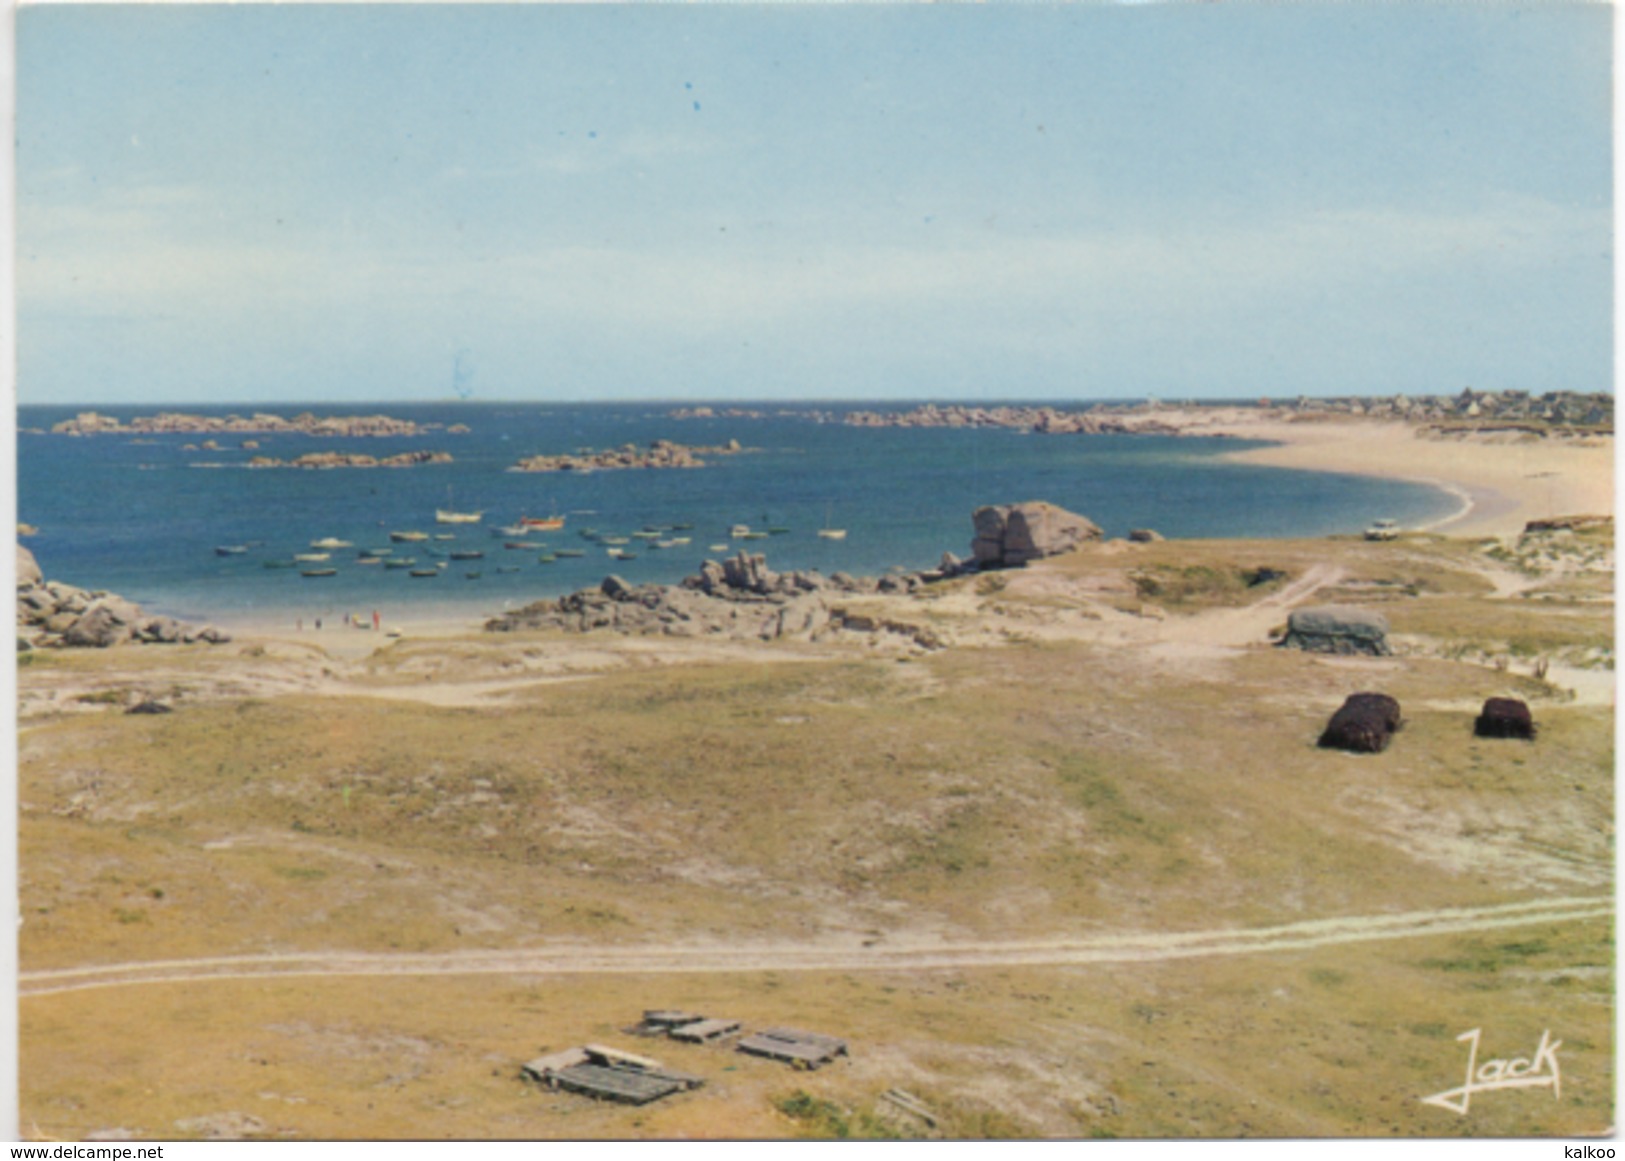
<point x="1108" y="745"/>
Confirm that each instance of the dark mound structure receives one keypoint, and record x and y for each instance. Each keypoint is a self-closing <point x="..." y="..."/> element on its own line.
<point x="1505" y="717"/>
<point x="1364" y="724"/>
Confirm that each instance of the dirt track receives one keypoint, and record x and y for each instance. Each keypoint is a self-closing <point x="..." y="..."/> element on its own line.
<point x="881" y="955"/>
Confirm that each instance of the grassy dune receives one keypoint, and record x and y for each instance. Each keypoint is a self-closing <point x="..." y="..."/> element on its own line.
<point x="1058" y="787"/>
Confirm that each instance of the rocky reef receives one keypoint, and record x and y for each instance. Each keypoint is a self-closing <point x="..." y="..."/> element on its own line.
<point x="662" y="453"/>
<point x="321" y="461"/>
<point x="306" y="423"/>
<point x="1049" y="420"/>
<point x="51" y="614"/>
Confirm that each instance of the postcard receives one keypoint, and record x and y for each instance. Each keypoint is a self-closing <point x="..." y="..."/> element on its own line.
<point x="924" y="572"/>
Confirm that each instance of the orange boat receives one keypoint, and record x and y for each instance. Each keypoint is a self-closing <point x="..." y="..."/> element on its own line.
<point x="544" y="523"/>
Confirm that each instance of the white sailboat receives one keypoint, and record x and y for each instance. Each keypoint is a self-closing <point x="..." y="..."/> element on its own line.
<point x="826" y="531"/>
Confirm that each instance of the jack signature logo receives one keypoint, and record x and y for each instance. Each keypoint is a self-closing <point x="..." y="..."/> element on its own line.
<point x="1541" y="1071"/>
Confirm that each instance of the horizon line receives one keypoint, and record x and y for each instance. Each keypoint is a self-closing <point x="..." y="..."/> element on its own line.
<point x="814" y="401"/>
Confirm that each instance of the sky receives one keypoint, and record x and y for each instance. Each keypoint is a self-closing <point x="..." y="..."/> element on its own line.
<point x="357" y="203"/>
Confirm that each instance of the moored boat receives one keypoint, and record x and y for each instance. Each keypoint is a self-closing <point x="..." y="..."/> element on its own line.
<point x="441" y="516"/>
<point x="408" y="537"/>
<point x="568" y="552"/>
<point x="471" y="554"/>
<point x="231" y="549"/>
<point x="423" y="572"/>
<point x="829" y="533"/>
<point x="331" y="542"/>
<point x="311" y="557"/>
<point x="319" y="572"/>
<point x="400" y="562"/>
<point x="548" y="523"/>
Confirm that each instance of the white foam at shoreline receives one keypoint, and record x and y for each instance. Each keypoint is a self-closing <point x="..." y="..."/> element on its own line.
<point x="1468" y="503"/>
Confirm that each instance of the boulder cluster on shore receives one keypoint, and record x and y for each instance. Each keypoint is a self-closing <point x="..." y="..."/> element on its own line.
<point x="51" y="614"/>
<point x="740" y="598"/>
<point x="744" y="599"/>
<point x="174" y="422"/>
<point x="662" y="453"/>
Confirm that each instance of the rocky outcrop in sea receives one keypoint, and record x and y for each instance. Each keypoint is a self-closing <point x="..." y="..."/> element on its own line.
<point x="306" y="423"/>
<point x="320" y="461"/>
<point x="662" y="453"/>
<point x="51" y="614"/>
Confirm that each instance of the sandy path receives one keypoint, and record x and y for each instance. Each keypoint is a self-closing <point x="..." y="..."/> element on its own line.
<point x="873" y="955"/>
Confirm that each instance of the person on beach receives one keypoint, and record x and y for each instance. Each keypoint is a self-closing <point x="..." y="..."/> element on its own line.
<point x="375" y="620"/>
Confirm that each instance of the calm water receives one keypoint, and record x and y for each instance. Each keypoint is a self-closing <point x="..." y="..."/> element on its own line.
<point x="129" y="514"/>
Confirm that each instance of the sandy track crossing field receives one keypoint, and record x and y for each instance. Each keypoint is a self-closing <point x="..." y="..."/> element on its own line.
<point x="657" y="959"/>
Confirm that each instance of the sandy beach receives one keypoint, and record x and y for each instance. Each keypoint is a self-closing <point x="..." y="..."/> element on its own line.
<point x="1503" y="485"/>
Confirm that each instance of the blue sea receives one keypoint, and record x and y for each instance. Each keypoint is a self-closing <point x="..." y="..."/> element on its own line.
<point x="132" y="515"/>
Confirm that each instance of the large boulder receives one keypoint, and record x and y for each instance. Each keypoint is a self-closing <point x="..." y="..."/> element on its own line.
<point x="1008" y="535"/>
<point x="1337" y="629"/>
<point x="28" y="570"/>
<point x="748" y="572"/>
<point x="98" y="627"/>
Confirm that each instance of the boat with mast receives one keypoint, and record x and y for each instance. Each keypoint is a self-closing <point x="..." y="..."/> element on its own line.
<point x="826" y="531"/>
